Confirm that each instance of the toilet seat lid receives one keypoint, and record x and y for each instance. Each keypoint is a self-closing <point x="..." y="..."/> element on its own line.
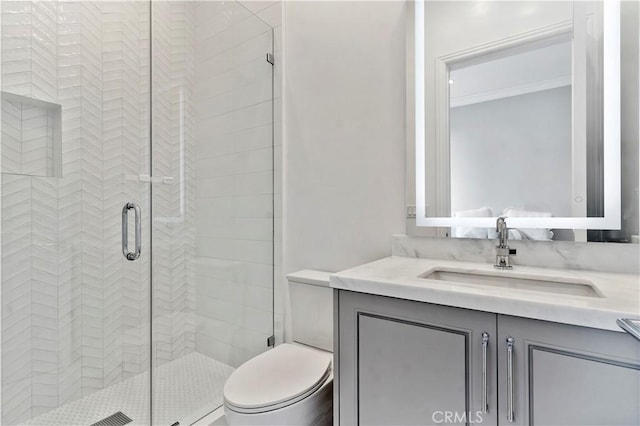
<point x="282" y="374"/>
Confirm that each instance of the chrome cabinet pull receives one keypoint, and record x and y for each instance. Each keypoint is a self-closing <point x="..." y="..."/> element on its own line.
<point x="510" y="414"/>
<point x="485" y="344"/>
<point x="125" y="231"/>
<point x="629" y="325"/>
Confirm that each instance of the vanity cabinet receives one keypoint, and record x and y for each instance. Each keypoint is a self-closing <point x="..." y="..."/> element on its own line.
<point x="401" y="362"/>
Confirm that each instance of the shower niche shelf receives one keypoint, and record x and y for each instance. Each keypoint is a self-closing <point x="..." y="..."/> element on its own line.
<point x="31" y="136"/>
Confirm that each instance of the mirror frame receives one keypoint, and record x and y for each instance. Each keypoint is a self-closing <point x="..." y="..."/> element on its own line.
<point x="611" y="123"/>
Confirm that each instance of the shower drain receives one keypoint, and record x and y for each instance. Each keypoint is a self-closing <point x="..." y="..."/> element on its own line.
<point x="117" y="419"/>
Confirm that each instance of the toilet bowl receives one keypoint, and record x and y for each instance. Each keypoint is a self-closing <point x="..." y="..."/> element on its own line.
<point x="291" y="384"/>
<point x="288" y="385"/>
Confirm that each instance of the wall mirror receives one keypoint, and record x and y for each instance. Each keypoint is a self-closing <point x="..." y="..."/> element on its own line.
<point x="529" y="110"/>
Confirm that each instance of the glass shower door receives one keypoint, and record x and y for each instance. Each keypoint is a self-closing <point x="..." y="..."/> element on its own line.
<point x="75" y="150"/>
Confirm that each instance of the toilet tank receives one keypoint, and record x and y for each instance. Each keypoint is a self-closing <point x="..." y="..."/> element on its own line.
<point x="311" y="308"/>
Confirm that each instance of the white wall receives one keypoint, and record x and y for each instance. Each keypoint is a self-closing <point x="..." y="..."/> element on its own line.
<point x="344" y="149"/>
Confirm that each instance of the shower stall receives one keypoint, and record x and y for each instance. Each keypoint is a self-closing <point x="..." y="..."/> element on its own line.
<point x="137" y="207"/>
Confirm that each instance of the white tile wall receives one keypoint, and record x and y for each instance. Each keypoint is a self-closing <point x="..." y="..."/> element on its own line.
<point x="234" y="148"/>
<point x="173" y="156"/>
<point x="75" y="313"/>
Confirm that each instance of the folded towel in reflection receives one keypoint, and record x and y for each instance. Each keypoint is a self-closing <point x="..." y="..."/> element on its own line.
<point x="541" y="234"/>
<point x="515" y="234"/>
<point x="464" y="232"/>
<point x="511" y="212"/>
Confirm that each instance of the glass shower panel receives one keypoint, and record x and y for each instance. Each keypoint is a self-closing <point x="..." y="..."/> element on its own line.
<point x="212" y="201"/>
<point x="75" y="149"/>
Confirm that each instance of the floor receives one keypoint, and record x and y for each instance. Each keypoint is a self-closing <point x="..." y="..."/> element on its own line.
<point x="179" y="388"/>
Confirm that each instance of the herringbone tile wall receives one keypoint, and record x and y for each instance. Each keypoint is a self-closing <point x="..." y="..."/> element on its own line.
<point x="75" y="313"/>
<point x="173" y="156"/>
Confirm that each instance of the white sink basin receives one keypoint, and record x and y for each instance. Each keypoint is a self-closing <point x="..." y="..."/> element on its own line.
<point x="513" y="280"/>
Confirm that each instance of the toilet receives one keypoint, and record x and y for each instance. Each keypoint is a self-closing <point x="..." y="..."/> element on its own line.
<point x="291" y="384"/>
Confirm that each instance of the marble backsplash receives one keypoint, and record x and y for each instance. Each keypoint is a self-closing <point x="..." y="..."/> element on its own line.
<point x="605" y="257"/>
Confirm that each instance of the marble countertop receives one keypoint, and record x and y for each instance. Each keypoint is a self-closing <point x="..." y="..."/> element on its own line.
<point x="616" y="295"/>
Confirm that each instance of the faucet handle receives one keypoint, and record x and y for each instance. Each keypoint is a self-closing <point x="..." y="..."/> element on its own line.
<point x="512" y="251"/>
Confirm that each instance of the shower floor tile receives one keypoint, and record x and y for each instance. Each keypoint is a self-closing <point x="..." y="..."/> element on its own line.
<point x="183" y="388"/>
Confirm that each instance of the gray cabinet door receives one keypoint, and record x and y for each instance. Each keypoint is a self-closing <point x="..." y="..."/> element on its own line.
<point x="410" y="363"/>
<point x="568" y="375"/>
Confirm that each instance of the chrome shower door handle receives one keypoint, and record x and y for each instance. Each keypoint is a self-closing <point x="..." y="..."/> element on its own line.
<point x="125" y="231"/>
<point x="485" y="391"/>
<point x="510" y="413"/>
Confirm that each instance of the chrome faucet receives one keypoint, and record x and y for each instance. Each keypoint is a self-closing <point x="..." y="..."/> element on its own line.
<point x="503" y="252"/>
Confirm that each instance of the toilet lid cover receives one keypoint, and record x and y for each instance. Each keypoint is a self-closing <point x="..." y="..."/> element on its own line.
<point x="276" y="376"/>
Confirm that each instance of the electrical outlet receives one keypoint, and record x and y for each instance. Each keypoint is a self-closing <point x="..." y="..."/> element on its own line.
<point x="411" y="212"/>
